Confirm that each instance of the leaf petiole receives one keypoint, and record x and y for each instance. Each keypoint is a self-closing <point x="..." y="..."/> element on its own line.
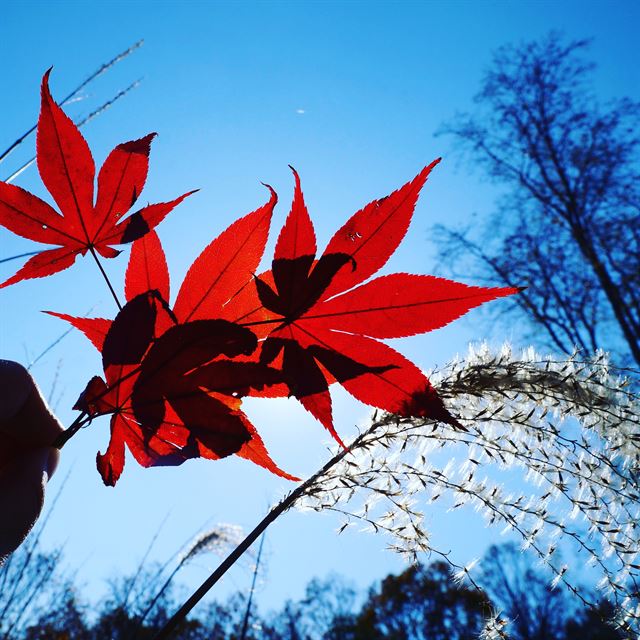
<point x="82" y="420"/>
<point x="105" y="276"/>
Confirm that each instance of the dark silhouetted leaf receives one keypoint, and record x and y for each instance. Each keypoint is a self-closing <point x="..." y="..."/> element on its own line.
<point x="172" y="388"/>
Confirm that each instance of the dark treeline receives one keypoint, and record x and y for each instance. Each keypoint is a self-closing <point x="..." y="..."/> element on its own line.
<point x="424" y="602"/>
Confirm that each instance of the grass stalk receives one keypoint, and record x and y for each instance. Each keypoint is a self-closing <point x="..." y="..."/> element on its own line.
<point x="247" y="613"/>
<point x="284" y="505"/>
<point x="94" y="114"/>
<point x="98" y="72"/>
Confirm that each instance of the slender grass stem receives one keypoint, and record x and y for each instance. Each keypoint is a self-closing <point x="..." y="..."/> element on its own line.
<point x="104" y="67"/>
<point x="141" y="565"/>
<point x="105" y="276"/>
<point x="155" y="599"/>
<point x="247" y="613"/>
<point x="94" y="114"/>
<point x="20" y="255"/>
<point x="284" y="505"/>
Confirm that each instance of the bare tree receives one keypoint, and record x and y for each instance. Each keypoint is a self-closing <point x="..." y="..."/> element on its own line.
<point x="568" y="223"/>
<point x="328" y="605"/>
<point x="521" y="589"/>
<point x="523" y="592"/>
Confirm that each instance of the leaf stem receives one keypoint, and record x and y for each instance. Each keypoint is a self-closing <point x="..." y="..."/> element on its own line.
<point x="105" y="276"/>
<point x="67" y="434"/>
<point x="284" y="505"/>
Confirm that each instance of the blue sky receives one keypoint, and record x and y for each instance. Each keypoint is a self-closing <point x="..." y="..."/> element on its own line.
<point x="349" y="93"/>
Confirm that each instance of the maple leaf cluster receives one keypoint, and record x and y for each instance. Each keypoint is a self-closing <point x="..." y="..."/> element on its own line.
<point x="175" y="374"/>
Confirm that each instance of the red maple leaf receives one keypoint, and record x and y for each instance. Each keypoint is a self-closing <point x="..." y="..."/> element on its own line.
<point x="175" y="377"/>
<point x="172" y="386"/>
<point x="322" y="324"/>
<point x="67" y="169"/>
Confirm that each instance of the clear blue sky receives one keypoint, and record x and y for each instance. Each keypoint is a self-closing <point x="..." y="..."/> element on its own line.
<point x="350" y="93"/>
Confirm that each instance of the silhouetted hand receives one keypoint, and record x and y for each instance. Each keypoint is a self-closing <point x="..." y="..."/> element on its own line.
<point x="27" y="459"/>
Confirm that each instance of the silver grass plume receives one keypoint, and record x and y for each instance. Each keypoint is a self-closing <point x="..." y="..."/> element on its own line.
<point x="569" y="427"/>
<point x="219" y="540"/>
